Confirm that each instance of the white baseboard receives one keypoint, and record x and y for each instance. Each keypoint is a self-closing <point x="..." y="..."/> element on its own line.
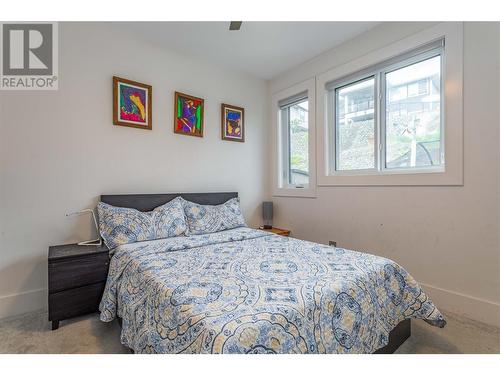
<point x="24" y="302"/>
<point x="472" y="307"/>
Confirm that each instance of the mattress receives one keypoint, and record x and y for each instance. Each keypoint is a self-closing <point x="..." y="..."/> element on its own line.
<point x="249" y="291"/>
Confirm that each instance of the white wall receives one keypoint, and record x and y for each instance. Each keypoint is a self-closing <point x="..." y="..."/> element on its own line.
<point x="446" y="237"/>
<point x="59" y="150"/>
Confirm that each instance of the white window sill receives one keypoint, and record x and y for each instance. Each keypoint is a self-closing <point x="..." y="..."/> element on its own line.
<point x="435" y="177"/>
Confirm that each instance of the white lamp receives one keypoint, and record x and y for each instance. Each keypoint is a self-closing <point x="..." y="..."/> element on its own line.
<point x="96" y="242"/>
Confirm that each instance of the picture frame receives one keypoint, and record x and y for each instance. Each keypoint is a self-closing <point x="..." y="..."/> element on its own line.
<point x="132" y="104"/>
<point x="232" y="123"/>
<point x="188" y="114"/>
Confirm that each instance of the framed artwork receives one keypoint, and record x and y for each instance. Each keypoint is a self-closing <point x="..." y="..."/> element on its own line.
<point x="188" y="115"/>
<point x="132" y="102"/>
<point x="232" y="123"/>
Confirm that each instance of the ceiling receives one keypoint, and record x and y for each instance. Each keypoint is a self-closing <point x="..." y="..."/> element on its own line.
<point x="261" y="49"/>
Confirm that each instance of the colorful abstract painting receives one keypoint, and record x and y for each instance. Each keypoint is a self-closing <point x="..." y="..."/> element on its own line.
<point x="131" y="103"/>
<point x="188" y="115"/>
<point x="232" y="123"/>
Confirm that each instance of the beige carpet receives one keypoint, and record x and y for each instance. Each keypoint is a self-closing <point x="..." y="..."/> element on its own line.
<point x="30" y="333"/>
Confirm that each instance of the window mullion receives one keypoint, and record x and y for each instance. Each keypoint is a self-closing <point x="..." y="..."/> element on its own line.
<point x="382" y="117"/>
<point x="286" y="149"/>
<point x="289" y="148"/>
<point x="376" y="122"/>
<point x="335" y="153"/>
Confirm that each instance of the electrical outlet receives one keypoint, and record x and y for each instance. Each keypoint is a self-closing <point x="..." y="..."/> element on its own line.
<point x="332" y="243"/>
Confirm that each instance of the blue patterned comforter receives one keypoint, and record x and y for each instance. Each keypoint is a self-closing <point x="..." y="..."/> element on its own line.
<point x="248" y="291"/>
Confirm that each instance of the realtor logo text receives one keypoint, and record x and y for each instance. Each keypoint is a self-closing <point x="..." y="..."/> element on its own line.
<point x="29" y="56"/>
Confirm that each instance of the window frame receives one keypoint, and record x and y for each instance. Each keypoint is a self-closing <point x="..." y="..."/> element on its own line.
<point x="333" y="104"/>
<point x="440" y="51"/>
<point x="280" y="140"/>
<point x="286" y="149"/>
<point x="380" y="94"/>
<point x="451" y="172"/>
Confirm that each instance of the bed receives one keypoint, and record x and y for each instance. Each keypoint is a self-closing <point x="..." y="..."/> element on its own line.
<point x="248" y="291"/>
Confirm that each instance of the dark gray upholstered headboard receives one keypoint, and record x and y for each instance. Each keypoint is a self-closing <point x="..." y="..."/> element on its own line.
<point x="147" y="202"/>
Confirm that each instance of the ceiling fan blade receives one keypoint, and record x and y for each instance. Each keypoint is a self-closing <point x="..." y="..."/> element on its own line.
<point x="235" y="25"/>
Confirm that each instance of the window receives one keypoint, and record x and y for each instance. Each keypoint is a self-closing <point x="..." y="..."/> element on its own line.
<point x="413" y="124"/>
<point x="355" y="125"/>
<point x="294" y="117"/>
<point x="294" y="169"/>
<point x="389" y="118"/>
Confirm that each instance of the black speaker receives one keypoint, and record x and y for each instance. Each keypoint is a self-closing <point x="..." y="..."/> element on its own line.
<point x="267" y="214"/>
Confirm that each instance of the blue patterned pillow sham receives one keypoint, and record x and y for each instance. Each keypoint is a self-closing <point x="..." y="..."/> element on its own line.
<point x="120" y="225"/>
<point x="203" y="219"/>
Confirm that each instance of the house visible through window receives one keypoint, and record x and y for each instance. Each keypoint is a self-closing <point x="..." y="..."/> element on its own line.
<point x="356" y="125"/>
<point x="389" y="117"/>
<point x="413" y="123"/>
<point x="295" y="134"/>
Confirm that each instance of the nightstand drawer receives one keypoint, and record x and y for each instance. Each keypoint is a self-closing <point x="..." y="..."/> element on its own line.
<point x="79" y="271"/>
<point x="74" y="302"/>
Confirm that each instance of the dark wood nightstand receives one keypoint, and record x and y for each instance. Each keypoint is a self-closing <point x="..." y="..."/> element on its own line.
<point x="281" y="232"/>
<point x="77" y="276"/>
